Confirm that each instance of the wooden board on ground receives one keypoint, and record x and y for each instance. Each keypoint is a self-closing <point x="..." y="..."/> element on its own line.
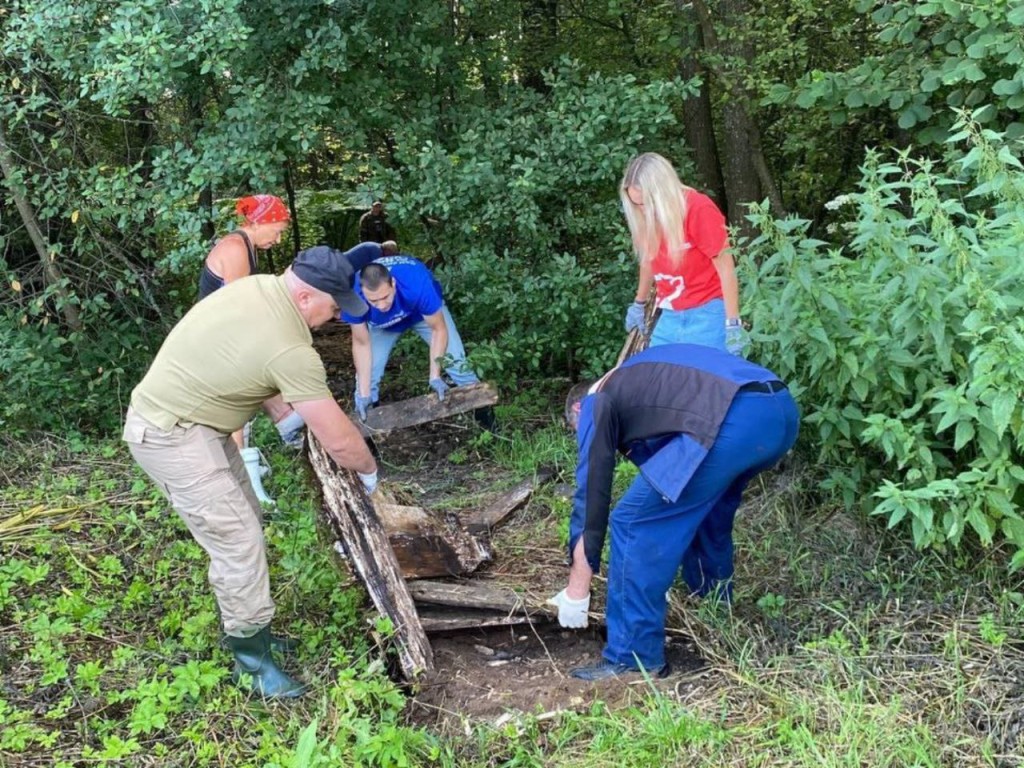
<point x="462" y="594"/>
<point x="353" y="519"/>
<point x="428" y="544"/>
<point x="449" y="620"/>
<point x="419" y="410"/>
<point x="484" y="520"/>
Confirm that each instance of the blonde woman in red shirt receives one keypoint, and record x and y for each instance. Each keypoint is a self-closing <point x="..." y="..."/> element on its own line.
<point x="682" y="245"/>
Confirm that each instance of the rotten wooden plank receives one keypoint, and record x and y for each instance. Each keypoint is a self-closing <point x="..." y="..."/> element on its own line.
<point x="488" y="518"/>
<point x="353" y="519"/>
<point x="448" y="620"/>
<point x="462" y="594"/>
<point x="428" y="544"/>
<point x="419" y="410"/>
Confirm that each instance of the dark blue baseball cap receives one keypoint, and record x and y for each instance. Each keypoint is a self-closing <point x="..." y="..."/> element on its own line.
<point x="333" y="271"/>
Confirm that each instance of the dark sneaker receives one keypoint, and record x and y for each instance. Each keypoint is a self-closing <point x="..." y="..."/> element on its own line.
<point x="607" y="669"/>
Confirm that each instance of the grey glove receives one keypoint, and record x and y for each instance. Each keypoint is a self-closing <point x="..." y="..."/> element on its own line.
<point x="736" y="337"/>
<point x="290" y="429"/>
<point x="572" y="613"/>
<point x="369" y="481"/>
<point x="440" y="387"/>
<point x="362" y="403"/>
<point x="635" y="317"/>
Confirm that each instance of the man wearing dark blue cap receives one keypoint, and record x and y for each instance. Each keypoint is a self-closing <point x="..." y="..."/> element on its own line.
<point x="243" y="344"/>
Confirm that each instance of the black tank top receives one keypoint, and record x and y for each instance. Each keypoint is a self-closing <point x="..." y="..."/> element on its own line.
<point x="209" y="282"/>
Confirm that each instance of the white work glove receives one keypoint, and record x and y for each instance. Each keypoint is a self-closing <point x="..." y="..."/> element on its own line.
<point x="572" y="613"/>
<point x="369" y="481"/>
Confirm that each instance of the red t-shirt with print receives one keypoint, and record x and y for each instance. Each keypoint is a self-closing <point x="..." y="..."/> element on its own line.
<point x="694" y="280"/>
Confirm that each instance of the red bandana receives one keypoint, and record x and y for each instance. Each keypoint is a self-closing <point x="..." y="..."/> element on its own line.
<point x="262" y="209"/>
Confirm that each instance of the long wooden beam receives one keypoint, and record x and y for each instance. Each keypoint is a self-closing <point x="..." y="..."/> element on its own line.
<point x="352" y="518"/>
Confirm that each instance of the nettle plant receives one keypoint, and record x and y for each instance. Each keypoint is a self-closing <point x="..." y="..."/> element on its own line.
<point x="906" y="343"/>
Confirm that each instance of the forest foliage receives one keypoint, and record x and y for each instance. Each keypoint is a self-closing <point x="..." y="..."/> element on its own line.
<point x="867" y="152"/>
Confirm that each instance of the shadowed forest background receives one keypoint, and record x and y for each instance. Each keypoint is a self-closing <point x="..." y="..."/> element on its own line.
<point x="867" y="155"/>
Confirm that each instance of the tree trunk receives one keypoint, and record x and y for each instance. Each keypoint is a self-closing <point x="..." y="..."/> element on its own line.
<point x="289" y="187"/>
<point x="698" y="124"/>
<point x="746" y="173"/>
<point x="51" y="271"/>
<point x="540" y="36"/>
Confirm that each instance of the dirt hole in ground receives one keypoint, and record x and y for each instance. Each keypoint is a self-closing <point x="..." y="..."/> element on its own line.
<point x="490" y="674"/>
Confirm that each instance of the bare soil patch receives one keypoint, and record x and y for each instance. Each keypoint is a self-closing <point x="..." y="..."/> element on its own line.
<point x="493" y="674"/>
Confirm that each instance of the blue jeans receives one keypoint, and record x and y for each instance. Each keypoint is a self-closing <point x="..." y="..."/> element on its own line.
<point x="704" y="325"/>
<point x="383" y="341"/>
<point x="650" y="535"/>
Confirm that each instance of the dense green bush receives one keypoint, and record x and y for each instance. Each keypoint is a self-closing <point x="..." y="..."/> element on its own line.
<point x="906" y="342"/>
<point x="55" y="379"/>
<point x="523" y="208"/>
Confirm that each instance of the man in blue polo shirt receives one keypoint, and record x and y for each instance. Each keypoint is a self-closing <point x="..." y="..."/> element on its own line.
<point x="401" y="294"/>
<point x="699" y="423"/>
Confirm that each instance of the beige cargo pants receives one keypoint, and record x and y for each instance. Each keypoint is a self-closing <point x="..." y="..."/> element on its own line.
<point x="202" y="474"/>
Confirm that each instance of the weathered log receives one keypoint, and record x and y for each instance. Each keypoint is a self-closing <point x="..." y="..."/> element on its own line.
<point x="448" y="620"/>
<point x="428" y="544"/>
<point x="419" y="410"/>
<point x="484" y="520"/>
<point x="353" y="519"/>
<point x="461" y="594"/>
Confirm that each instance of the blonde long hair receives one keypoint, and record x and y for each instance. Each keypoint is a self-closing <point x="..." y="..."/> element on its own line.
<point x="663" y="213"/>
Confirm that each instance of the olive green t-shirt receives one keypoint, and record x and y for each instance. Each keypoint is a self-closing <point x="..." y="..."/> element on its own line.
<point x="234" y="349"/>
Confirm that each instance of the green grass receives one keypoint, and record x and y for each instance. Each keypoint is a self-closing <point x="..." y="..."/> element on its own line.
<point x="844" y="646"/>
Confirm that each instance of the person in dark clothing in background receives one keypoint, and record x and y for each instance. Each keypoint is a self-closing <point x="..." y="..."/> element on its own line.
<point x="699" y="423"/>
<point x="374" y="226"/>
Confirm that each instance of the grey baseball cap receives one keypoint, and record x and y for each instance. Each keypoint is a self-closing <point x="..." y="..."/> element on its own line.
<point x="332" y="271"/>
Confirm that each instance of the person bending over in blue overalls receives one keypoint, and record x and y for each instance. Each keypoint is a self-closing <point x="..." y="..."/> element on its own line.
<point x="402" y="294"/>
<point x="699" y="423"/>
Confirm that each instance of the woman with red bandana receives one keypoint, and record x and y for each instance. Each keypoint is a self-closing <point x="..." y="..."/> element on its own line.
<point x="265" y="219"/>
<point x="234" y="255"/>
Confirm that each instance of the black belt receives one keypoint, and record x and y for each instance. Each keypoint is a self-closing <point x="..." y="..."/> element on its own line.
<point x="767" y="387"/>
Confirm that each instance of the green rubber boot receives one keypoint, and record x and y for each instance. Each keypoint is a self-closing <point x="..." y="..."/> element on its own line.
<point x="278" y="644"/>
<point x="253" y="658"/>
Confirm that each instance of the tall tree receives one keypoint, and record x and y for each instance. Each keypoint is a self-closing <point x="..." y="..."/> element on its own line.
<point x="698" y="122"/>
<point x="746" y="172"/>
<point x="540" y="41"/>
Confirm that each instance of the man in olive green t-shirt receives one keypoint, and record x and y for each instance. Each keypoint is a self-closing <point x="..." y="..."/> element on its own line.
<point x="232" y="351"/>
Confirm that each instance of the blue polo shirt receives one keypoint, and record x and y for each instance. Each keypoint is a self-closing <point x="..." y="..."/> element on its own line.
<point x="417" y="294"/>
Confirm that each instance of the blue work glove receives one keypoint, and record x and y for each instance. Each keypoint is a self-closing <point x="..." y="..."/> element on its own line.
<point x="440" y="387"/>
<point x="635" y="317"/>
<point x="736" y="337"/>
<point x="362" y="403"/>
